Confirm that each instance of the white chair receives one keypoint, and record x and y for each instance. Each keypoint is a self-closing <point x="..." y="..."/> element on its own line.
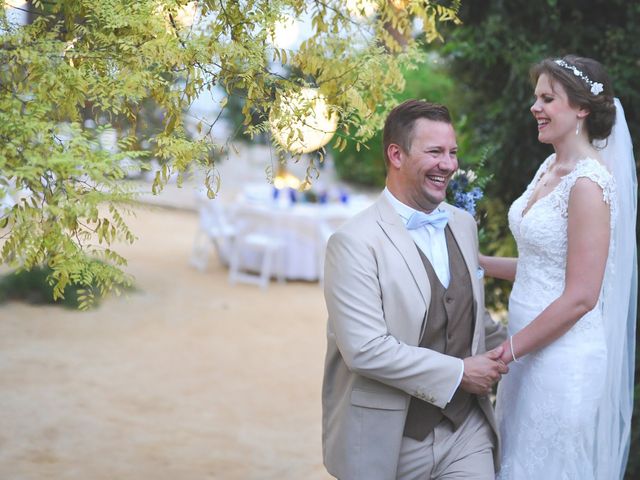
<point x="272" y="250"/>
<point x="259" y="251"/>
<point x="214" y="228"/>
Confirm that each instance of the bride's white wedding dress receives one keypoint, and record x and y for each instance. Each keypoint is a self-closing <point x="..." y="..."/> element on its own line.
<point x="547" y="403"/>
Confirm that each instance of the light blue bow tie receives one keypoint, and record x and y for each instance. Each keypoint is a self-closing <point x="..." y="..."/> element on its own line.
<point x="438" y="219"/>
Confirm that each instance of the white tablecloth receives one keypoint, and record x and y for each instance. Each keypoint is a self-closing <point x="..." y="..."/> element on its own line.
<point x="303" y="227"/>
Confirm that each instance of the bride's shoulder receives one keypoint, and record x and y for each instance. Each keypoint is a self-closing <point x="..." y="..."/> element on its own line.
<point x="590" y="172"/>
<point x="594" y="169"/>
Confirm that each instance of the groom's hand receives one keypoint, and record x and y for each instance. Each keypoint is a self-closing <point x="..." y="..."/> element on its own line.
<point x="481" y="372"/>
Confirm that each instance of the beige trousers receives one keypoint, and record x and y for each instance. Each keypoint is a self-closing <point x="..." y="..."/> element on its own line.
<point x="445" y="454"/>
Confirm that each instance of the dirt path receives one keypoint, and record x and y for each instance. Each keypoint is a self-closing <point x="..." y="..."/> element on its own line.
<point x="188" y="378"/>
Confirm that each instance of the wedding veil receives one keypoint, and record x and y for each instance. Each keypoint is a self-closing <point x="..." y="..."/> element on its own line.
<point x="620" y="290"/>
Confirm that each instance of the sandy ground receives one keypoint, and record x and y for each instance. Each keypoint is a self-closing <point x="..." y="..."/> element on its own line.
<point x="186" y="378"/>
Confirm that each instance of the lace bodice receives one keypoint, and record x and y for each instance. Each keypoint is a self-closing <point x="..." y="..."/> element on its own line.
<point x="541" y="234"/>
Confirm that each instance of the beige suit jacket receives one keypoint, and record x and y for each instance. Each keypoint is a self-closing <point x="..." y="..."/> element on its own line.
<point x="377" y="294"/>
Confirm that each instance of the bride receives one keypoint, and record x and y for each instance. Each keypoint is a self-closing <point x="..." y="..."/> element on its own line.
<point x="564" y="409"/>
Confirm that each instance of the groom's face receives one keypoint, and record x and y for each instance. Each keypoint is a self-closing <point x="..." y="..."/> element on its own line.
<point x="426" y="168"/>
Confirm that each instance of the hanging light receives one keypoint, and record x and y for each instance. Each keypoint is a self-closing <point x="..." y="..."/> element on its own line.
<point x="303" y="133"/>
<point x="284" y="179"/>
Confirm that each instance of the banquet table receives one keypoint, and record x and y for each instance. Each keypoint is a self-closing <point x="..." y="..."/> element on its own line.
<point x="304" y="228"/>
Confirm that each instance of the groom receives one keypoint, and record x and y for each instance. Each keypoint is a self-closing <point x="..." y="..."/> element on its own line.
<point x="406" y="381"/>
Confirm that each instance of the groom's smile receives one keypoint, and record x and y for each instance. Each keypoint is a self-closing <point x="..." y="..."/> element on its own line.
<point x="429" y="164"/>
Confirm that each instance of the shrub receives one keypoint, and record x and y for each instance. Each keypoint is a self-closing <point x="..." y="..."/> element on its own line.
<point x="33" y="286"/>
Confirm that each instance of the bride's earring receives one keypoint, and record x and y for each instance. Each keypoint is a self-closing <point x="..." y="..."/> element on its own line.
<point x="578" y="127"/>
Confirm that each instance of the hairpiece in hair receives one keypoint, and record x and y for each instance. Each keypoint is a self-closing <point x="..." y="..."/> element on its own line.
<point x="596" y="87"/>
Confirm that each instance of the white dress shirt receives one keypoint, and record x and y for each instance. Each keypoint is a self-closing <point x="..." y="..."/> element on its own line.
<point x="433" y="243"/>
<point x="429" y="239"/>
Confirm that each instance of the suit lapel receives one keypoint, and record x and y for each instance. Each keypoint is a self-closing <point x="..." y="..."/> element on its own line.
<point x="468" y="249"/>
<point x="394" y="228"/>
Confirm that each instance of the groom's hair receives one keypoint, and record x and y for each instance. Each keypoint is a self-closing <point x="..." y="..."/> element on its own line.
<point x="398" y="128"/>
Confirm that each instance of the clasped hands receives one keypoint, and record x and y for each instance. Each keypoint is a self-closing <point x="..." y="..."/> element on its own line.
<point x="481" y="372"/>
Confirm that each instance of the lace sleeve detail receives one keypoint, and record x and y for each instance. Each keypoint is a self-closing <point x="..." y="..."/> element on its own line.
<point x="596" y="172"/>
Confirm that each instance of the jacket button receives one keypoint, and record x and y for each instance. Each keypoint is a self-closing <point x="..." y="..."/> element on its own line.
<point x="449" y="299"/>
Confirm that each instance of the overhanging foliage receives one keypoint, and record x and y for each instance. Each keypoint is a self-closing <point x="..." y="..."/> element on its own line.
<point x="81" y="63"/>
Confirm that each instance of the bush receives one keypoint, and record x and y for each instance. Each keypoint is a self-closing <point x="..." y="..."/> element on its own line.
<point x="32" y="286"/>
